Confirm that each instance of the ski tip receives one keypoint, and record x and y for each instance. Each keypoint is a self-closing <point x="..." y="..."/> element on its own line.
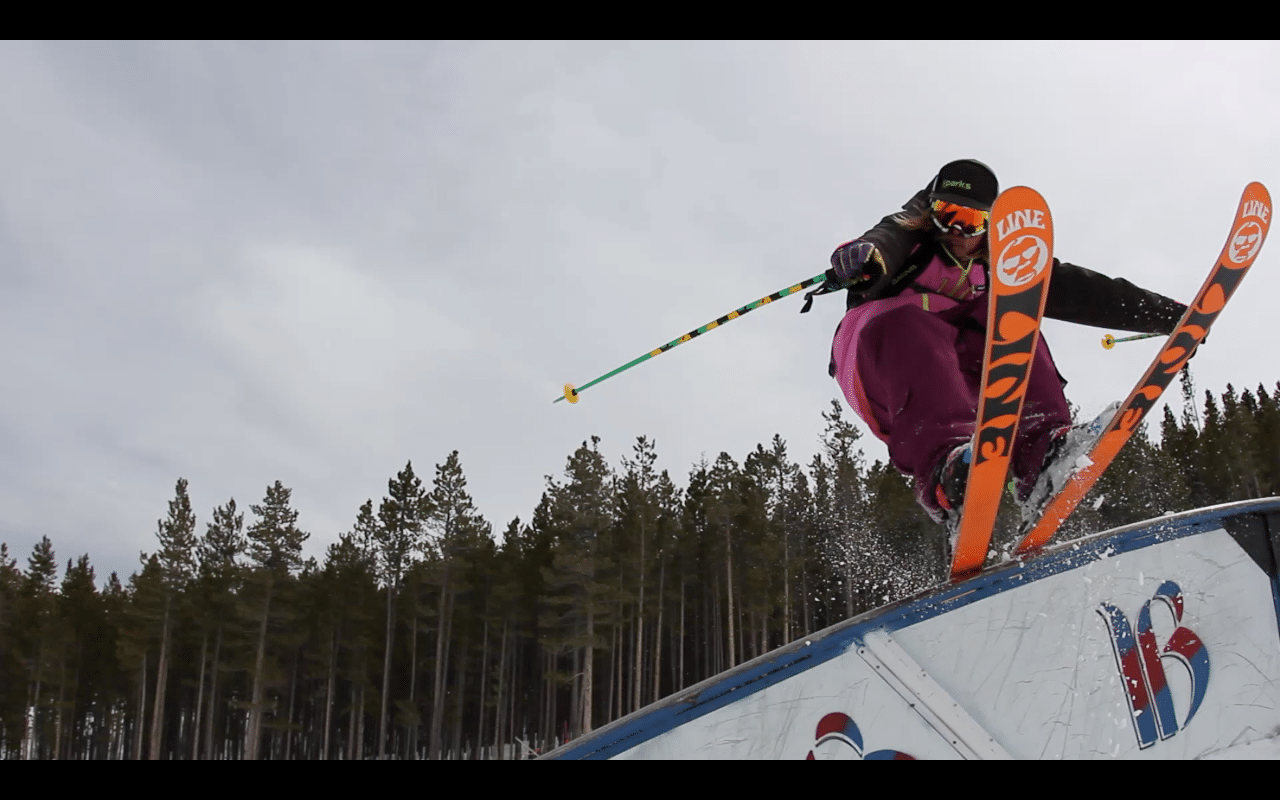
<point x="1021" y="240"/>
<point x="570" y="393"/>
<point x="1256" y="202"/>
<point x="1016" y="195"/>
<point x="1020" y="189"/>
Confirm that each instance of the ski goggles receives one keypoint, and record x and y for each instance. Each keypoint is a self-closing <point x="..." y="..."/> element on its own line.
<point x="959" y="220"/>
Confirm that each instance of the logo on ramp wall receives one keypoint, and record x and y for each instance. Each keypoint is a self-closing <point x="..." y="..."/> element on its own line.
<point x="1023" y="259"/>
<point x="1142" y="663"/>
<point x="838" y="738"/>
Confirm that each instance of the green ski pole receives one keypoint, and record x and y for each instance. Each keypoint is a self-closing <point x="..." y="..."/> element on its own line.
<point x="571" y="392"/>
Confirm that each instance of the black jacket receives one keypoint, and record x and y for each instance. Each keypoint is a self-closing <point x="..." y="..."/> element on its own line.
<point x="1076" y="294"/>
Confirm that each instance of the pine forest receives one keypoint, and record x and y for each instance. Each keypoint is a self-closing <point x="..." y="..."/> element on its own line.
<point x="427" y="633"/>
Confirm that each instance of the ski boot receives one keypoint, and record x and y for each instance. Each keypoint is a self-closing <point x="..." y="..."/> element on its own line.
<point x="1068" y="452"/>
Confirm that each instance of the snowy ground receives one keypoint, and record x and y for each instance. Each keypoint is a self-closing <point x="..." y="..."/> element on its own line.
<point x="1262" y="750"/>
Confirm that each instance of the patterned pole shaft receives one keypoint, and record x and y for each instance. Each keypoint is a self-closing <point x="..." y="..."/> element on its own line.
<point x="571" y="393"/>
<point x="1110" y="341"/>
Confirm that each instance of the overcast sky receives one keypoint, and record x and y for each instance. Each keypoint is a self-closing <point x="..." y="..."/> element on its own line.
<point x="312" y="262"/>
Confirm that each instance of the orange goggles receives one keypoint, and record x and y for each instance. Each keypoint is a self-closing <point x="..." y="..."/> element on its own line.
<point x="959" y="220"/>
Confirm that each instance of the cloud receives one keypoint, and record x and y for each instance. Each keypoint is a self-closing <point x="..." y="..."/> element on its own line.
<point x="326" y="343"/>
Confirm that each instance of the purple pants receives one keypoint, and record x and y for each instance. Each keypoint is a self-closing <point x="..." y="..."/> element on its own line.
<point x="919" y="373"/>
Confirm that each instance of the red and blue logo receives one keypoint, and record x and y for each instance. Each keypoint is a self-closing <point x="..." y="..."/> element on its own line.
<point x="839" y="728"/>
<point x="1142" y="664"/>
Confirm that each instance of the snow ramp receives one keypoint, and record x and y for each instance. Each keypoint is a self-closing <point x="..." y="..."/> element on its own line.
<point x="1155" y="640"/>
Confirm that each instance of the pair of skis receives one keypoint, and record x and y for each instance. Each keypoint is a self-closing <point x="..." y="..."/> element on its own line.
<point x="1021" y="236"/>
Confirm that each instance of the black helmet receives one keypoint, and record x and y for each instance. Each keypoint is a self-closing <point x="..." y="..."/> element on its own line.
<point x="966" y="182"/>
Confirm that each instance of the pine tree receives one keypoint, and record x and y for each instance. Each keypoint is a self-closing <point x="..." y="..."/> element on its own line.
<point x="637" y="510"/>
<point x="668" y="533"/>
<point x="1213" y="459"/>
<point x="696" y="573"/>
<point x="1268" y="443"/>
<point x="755" y="549"/>
<point x="327" y="607"/>
<point x="1177" y="455"/>
<point x="1247" y="434"/>
<point x="539" y="554"/>
<point x="855" y="546"/>
<point x="414" y="607"/>
<point x="115" y="607"/>
<point x="177" y="561"/>
<point x="139" y="613"/>
<point x="723" y="514"/>
<point x="1236" y="445"/>
<point x="511" y="614"/>
<point x="802" y="523"/>
<point x="221" y="575"/>
<point x="359" y="567"/>
<point x="347" y="573"/>
<point x="84" y="618"/>
<point x="453" y="522"/>
<point x="786" y="523"/>
<point x="275" y="548"/>
<point x="402" y="517"/>
<point x="1190" y="414"/>
<point x="12" y="682"/>
<point x="39" y="621"/>
<point x="823" y="529"/>
<point x="585" y="507"/>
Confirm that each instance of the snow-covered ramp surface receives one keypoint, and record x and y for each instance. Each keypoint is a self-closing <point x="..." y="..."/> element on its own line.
<point x="1156" y="640"/>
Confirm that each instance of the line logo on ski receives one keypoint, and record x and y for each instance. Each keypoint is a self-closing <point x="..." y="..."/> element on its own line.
<point x="1017" y="220"/>
<point x="1247" y="239"/>
<point x="1022" y="260"/>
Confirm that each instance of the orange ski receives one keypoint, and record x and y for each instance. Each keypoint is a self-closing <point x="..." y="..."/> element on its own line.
<point x="1021" y="247"/>
<point x="1248" y="232"/>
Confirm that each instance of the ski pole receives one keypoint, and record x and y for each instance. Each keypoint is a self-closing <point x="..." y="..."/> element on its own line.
<point x="1110" y="341"/>
<point x="571" y="392"/>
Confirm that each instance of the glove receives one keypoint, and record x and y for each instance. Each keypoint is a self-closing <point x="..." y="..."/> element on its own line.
<point x="855" y="263"/>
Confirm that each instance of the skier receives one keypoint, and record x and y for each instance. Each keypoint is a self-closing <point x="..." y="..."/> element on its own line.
<point x="908" y="352"/>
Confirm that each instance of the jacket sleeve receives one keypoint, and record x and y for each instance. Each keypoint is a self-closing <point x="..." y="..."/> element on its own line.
<point x="1086" y="297"/>
<point x="892" y="240"/>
